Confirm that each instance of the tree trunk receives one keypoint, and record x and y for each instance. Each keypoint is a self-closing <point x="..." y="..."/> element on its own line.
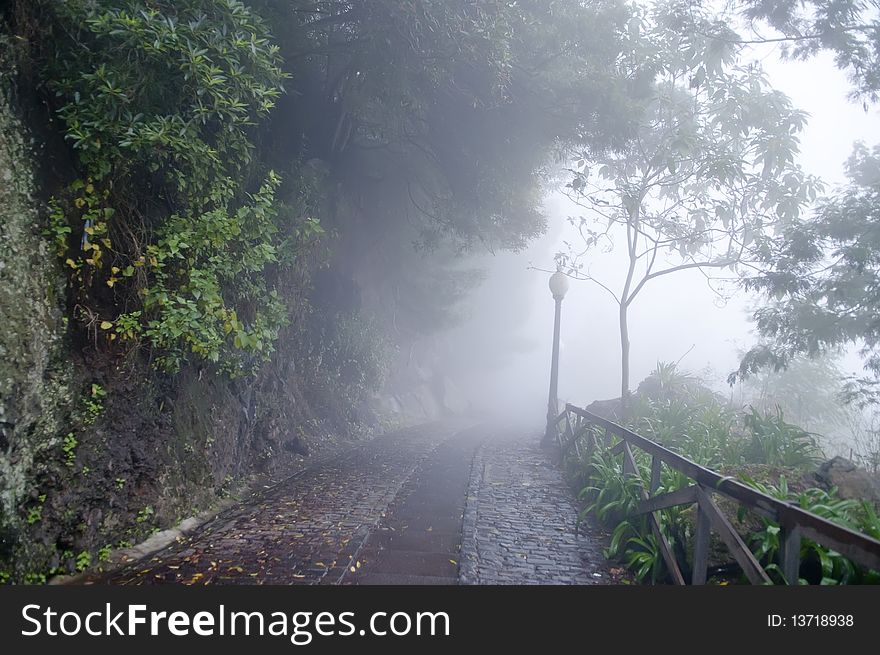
<point x="624" y="363"/>
<point x="632" y="237"/>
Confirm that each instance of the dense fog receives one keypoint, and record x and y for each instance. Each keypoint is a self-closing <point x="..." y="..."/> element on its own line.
<point x="501" y="349"/>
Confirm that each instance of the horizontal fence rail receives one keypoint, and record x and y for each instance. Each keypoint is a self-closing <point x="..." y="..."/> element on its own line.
<point x="576" y="428"/>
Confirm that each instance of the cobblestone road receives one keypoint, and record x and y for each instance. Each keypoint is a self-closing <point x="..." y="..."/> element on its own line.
<point x="428" y="505"/>
<point x="519" y="525"/>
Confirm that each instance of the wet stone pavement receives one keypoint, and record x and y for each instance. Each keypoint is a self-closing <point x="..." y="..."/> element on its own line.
<point x="519" y="526"/>
<point x="435" y="504"/>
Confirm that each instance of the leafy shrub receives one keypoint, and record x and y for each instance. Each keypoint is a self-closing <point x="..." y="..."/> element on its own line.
<point x="167" y="87"/>
<point x="834" y="568"/>
<point x="612" y="496"/>
<point x="777" y="443"/>
<point x="159" y="100"/>
<point x="701" y="430"/>
<point x="644" y="559"/>
<point x="207" y="292"/>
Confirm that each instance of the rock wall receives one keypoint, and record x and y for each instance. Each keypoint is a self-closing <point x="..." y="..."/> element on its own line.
<point x="35" y="379"/>
<point x="97" y="450"/>
<point x="850" y="480"/>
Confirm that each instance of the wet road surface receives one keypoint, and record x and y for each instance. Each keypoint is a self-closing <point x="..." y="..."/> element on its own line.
<point x="435" y="504"/>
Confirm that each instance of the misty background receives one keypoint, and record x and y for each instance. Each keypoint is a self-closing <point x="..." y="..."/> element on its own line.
<point x="501" y="347"/>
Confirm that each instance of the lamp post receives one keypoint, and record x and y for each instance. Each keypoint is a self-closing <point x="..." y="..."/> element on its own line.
<point x="558" y="287"/>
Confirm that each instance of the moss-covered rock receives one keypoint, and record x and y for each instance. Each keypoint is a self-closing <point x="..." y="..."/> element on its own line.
<point x="35" y="387"/>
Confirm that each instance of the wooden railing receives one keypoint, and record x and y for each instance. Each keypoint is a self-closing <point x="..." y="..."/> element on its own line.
<point x="578" y="430"/>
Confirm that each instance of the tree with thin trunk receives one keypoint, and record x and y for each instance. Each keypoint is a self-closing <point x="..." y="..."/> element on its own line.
<point x="705" y="181"/>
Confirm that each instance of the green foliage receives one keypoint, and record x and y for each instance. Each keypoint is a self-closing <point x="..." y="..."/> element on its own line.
<point x="145" y="514"/>
<point x="777" y="443"/>
<point x="83" y="560"/>
<point x="347" y="356"/>
<point x="846" y="28"/>
<point x="677" y="410"/>
<point x="834" y="568"/>
<point x="34" y="514"/>
<point x="667" y="382"/>
<point x="435" y="114"/>
<point x="167" y="88"/>
<point x="808" y="390"/>
<point x="644" y="559"/>
<point x="89" y="204"/>
<point x="159" y="101"/>
<point x="821" y="280"/>
<point x="68" y="447"/>
<point x="104" y="553"/>
<point x="690" y="419"/>
<point x="58" y="231"/>
<point x="701" y="429"/>
<point x="674" y="409"/>
<point x="869" y="520"/>
<point x="441" y="114"/>
<point x="93" y="404"/>
<point x="612" y="496"/>
<point x="162" y="102"/>
<point x="206" y="292"/>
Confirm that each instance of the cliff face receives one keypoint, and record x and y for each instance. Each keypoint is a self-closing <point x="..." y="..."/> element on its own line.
<point x="98" y="450"/>
<point x="90" y="456"/>
<point x="35" y="380"/>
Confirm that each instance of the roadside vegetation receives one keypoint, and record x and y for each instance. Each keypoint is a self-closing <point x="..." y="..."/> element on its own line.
<point x="760" y="448"/>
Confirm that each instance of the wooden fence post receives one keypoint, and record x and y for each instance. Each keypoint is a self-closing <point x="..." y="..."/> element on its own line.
<point x="656" y="463"/>
<point x="790" y="552"/>
<point x="701" y="547"/>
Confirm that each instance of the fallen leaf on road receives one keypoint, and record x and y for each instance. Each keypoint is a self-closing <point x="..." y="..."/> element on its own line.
<point x="196" y="577"/>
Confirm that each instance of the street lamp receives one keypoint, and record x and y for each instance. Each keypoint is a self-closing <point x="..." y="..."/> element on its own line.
<point x="558" y="287"/>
